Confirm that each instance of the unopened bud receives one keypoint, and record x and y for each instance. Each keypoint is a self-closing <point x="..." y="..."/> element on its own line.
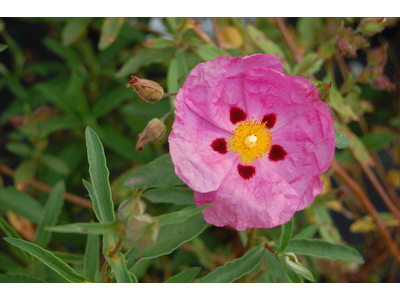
<point x="377" y="56"/>
<point x="153" y="132"/>
<point x="371" y="26"/>
<point x="18" y="121"/>
<point x="142" y="231"/>
<point x="324" y="92"/>
<point x="148" y="90"/>
<point x="345" y="47"/>
<point x="130" y="208"/>
<point x="231" y="38"/>
<point x="383" y="83"/>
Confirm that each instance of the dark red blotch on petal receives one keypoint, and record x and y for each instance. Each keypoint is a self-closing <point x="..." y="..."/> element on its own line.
<point x="277" y="153"/>
<point x="246" y="171"/>
<point x="237" y="115"/>
<point x="270" y="119"/>
<point x="219" y="145"/>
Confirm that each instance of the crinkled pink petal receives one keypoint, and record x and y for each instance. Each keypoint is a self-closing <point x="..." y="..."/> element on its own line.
<point x="214" y="87"/>
<point x="266" y="200"/>
<point x="196" y="163"/>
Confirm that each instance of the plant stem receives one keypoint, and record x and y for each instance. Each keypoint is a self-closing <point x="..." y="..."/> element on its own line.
<point x="105" y="265"/>
<point x="204" y="36"/>
<point x="369" y="207"/>
<point x="48" y="189"/>
<point x="170" y="94"/>
<point x="269" y="248"/>
<point x="216" y="31"/>
<point x="288" y="39"/>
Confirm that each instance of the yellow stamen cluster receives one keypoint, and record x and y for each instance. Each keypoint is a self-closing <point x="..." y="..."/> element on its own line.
<point x="251" y="140"/>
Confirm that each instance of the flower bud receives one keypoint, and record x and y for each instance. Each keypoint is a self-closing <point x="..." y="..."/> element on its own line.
<point x="148" y="90"/>
<point x="131" y="207"/>
<point x="377" y="56"/>
<point x="154" y="131"/>
<point x="371" y="26"/>
<point x="142" y="231"/>
<point x="324" y="92"/>
<point x="231" y="38"/>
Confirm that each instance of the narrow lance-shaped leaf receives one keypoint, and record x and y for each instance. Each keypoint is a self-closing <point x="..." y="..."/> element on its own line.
<point x="51" y="212"/>
<point x="237" y="268"/>
<point x="89" y="228"/>
<point x="74" y="29"/>
<point x="99" y="174"/>
<point x="92" y="255"/>
<point x="286" y="234"/>
<point x="109" y="31"/>
<point x="184" y="276"/>
<point x="10" y="232"/>
<point x="20" y="203"/>
<point x="118" y="265"/>
<point x="158" y="173"/>
<point x="92" y="196"/>
<point x="48" y="259"/>
<point x="292" y="276"/>
<point x="275" y="268"/>
<point x="307" y="233"/>
<point x="324" y="249"/>
<point x="19" y="278"/>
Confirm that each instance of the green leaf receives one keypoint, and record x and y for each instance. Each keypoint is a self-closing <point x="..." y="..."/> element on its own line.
<point x="111" y="100"/>
<point x="177" y="196"/>
<point x="182" y="79"/>
<point x="71" y="258"/>
<point x="68" y="54"/>
<point x="395" y="122"/>
<point x="236" y="269"/>
<point x="339" y="104"/>
<point x="117" y="263"/>
<point x="48" y="259"/>
<point x="19" y="278"/>
<point x="144" y="58"/>
<point x="25" y="171"/>
<point x="267" y="46"/>
<point x="180" y="216"/>
<point x="177" y="68"/>
<point x="20" y="203"/>
<point x="326" y="227"/>
<point x="341" y="141"/>
<point x="277" y="273"/>
<point x="171" y="237"/>
<point x="158" y="173"/>
<point x="208" y="52"/>
<point x="60" y="123"/>
<point x="7" y="262"/>
<point x="19" y="149"/>
<point x="357" y="147"/>
<point x="92" y="256"/>
<point x="324" y="249"/>
<point x="307" y="233"/>
<point x="51" y="212"/>
<point x="311" y="64"/>
<point x="376" y="141"/>
<point x="292" y="276"/>
<point x="56" y="96"/>
<point x="184" y="276"/>
<point x="89" y="228"/>
<point x="109" y="31"/>
<point x="3" y="47"/>
<point x="74" y="29"/>
<point x="299" y="269"/>
<point x="55" y="163"/>
<point x="92" y="196"/>
<point x="133" y="277"/>
<point x="99" y="174"/>
<point x="286" y="234"/>
<point x="159" y="43"/>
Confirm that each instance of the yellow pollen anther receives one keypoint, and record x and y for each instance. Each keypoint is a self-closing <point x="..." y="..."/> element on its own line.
<point x="251" y="140"/>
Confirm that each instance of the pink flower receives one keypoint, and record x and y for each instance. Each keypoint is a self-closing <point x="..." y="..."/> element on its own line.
<point x="250" y="140"/>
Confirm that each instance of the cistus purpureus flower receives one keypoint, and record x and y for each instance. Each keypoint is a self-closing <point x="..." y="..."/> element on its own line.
<point x="250" y="140"/>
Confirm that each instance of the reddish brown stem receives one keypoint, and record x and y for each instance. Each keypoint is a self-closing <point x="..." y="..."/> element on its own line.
<point x="375" y="182"/>
<point x="288" y="39"/>
<point x="48" y="189"/>
<point x="216" y="31"/>
<point x="269" y="249"/>
<point x="369" y="207"/>
<point x="204" y="36"/>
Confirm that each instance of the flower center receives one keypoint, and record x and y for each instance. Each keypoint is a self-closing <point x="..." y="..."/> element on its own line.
<point x="251" y="140"/>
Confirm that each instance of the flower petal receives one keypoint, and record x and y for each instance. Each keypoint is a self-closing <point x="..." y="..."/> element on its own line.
<point x="269" y="92"/>
<point x="265" y="200"/>
<point x="214" y="87"/>
<point x="193" y="148"/>
<point x="309" y="143"/>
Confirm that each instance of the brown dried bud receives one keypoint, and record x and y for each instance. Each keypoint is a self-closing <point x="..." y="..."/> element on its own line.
<point x="153" y="132"/>
<point x="371" y="26"/>
<point x="130" y="208"/>
<point x="148" y="90"/>
<point x="142" y="231"/>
